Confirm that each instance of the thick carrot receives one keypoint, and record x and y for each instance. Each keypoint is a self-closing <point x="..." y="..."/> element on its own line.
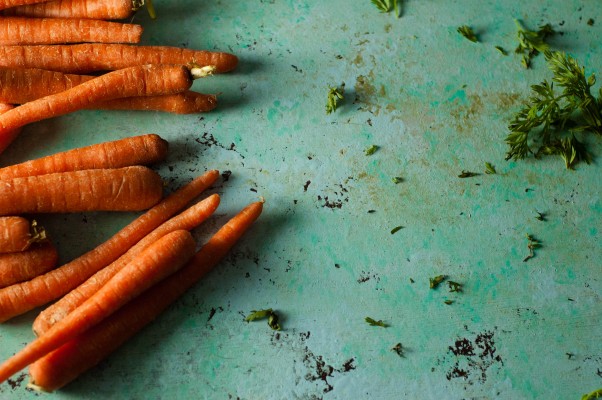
<point x="89" y="57"/>
<point x="63" y="365"/>
<point x="18" y="233"/>
<point x="32" y="31"/>
<point x="130" y="151"/>
<point x="14" y="3"/>
<point x="23" y="265"/>
<point x="9" y="135"/>
<point x="187" y="220"/>
<point x="143" y="80"/>
<point x="20" y="298"/>
<point x="156" y="262"/>
<point x="93" y="9"/>
<point x="118" y="189"/>
<point x="20" y="85"/>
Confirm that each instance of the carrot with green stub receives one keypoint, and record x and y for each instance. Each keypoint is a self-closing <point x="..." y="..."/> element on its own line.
<point x="117" y="189"/>
<point x="69" y="361"/>
<point x="145" y="80"/>
<point x="20" y="298"/>
<point x="90" y="57"/>
<point x="24" y="265"/>
<point x="35" y="31"/>
<point x="187" y="220"/>
<point x="18" y="233"/>
<point x="156" y="262"/>
<point x="21" y="85"/>
<point x="129" y="151"/>
<point x="93" y="9"/>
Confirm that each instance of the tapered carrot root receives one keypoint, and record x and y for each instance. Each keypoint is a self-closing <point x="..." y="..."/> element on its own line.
<point x="33" y="31"/>
<point x="14" y="3"/>
<point x="187" y="220"/>
<point x="93" y="9"/>
<point x="18" y="86"/>
<point x="146" y="80"/>
<point x="89" y="57"/>
<point x="23" y="265"/>
<point x="156" y="262"/>
<point x="121" y="189"/>
<point x="130" y="151"/>
<point x="20" y="298"/>
<point x="65" y="364"/>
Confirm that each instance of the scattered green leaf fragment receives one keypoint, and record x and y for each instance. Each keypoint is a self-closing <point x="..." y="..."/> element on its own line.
<point x="436" y="281"/>
<point x="532" y="244"/>
<point x="468" y="33"/>
<point x="398" y="348"/>
<point x="396" y="229"/>
<point x="448" y="302"/>
<point x="531" y="43"/>
<point x="590" y="22"/>
<point x="490" y="169"/>
<point x="373" y="322"/>
<point x="386" y="6"/>
<point x="467" y="174"/>
<point x="335" y="95"/>
<point x="547" y="123"/>
<point x="596" y="394"/>
<point x="454" y="286"/>
<point x="397" y="179"/>
<point x="501" y="50"/>
<point x="540" y="216"/>
<point x="273" y="320"/>
<point x="371" y="150"/>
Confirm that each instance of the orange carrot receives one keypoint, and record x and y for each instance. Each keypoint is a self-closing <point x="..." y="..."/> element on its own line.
<point x="24" y="265"/>
<point x="143" y="80"/>
<point x="9" y="135"/>
<point x="20" y="298"/>
<point x="63" y="365"/>
<point x="119" y="189"/>
<point x="130" y="151"/>
<point x="31" y="31"/>
<point x="89" y="57"/>
<point x="18" y="86"/>
<point x="93" y="9"/>
<point x="187" y="220"/>
<point x="155" y="263"/>
<point x="18" y="233"/>
<point x="14" y="3"/>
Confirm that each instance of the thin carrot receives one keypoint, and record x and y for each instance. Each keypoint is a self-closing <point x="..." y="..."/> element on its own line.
<point x="143" y="80"/>
<point x="18" y="233"/>
<point x="187" y="220"/>
<point x="9" y="135"/>
<point x="32" y="31"/>
<point x="63" y="365"/>
<point x="118" y="189"/>
<point x="14" y="3"/>
<point x="89" y="57"/>
<point x="20" y="298"/>
<point x="23" y="265"/>
<point x="156" y="262"/>
<point x="21" y="85"/>
<point x="93" y="9"/>
<point x="129" y="151"/>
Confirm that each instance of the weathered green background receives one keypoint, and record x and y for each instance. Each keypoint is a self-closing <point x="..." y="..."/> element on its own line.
<point x="435" y="104"/>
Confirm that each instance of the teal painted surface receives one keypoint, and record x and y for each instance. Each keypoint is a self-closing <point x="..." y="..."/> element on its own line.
<point x="435" y="104"/>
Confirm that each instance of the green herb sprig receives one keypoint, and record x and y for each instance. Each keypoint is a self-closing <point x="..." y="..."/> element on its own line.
<point x="531" y="43"/>
<point x="386" y="6"/>
<point x="596" y="394"/>
<point x="490" y="169"/>
<point x="334" y="96"/>
<point x="540" y="127"/>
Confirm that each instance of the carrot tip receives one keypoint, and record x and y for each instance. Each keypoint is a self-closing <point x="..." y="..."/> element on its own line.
<point x="261" y="199"/>
<point x="36" y="388"/>
<point x="202" y="72"/>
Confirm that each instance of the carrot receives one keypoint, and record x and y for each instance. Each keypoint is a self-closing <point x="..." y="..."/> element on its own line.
<point x="134" y="81"/>
<point x="18" y="86"/>
<point x="130" y="151"/>
<point x="66" y="363"/>
<point x="24" y="265"/>
<point x="25" y="296"/>
<point x="9" y="135"/>
<point x="89" y="57"/>
<point x="187" y="220"/>
<point x="93" y="9"/>
<point x="14" y="3"/>
<point x="18" y="233"/>
<point x="156" y="262"/>
<point x="119" y="189"/>
<point x="31" y="31"/>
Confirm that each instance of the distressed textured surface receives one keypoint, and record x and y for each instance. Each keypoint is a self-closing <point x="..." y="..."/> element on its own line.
<point x="435" y="104"/>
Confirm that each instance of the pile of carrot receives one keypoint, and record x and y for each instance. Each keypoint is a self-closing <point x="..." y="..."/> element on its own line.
<point x="60" y="56"/>
<point x="108" y="294"/>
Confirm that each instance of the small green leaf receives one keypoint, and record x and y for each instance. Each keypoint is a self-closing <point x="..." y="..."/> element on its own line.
<point x="454" y="286"/>
<point x="490" y="169"/>
<point x="501" y="50"/>
<point x="467" y="174"/>
<point x="397" y="179"/>
<point x="255" y="315"/>
<point x="396" y="229"/>
<point x="373" y="322"/>
<point x="398" y="348"/>
<point x="468" y="33"/>
<point x="371" y="150"/>
<point x="334" y="96"/>
<point x="436" y="281"/>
